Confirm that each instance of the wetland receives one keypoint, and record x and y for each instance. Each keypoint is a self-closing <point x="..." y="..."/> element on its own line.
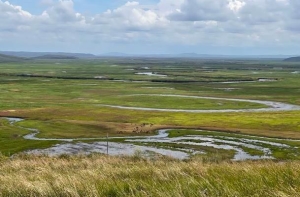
<point x="215" y="108"/>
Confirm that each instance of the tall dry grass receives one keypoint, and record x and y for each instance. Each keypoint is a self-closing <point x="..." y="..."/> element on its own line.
<point x="97" y="175"/>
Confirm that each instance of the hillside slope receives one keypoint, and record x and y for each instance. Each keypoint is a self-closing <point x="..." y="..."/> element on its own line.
<point x="292" y="59"/>
<point x="25" y="54"/>
<point x="55" y="57"/>
<point x="9" y="58"/>
<point x="114" y="176"/>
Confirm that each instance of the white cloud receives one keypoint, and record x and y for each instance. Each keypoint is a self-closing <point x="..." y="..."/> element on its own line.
<point x="202" y="10"/>
<point x="12" y="10"/>
<point x="130" y="16"/>
<point x="63" y="11"/>
<point x="236" y="5"/>
<point x="182" y="22"/>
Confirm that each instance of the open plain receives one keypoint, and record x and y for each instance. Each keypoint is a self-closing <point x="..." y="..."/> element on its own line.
<point x="198" y="117"/>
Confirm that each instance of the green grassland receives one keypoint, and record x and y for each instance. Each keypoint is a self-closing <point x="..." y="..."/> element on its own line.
<point x="12" y="142"/>
<point x="63" y="98"/>
<point x="165" y="102"/>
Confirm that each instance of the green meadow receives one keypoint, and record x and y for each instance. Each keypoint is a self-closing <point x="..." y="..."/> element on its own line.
<point x="238" y="153"/>
<point x="72" y="98"/>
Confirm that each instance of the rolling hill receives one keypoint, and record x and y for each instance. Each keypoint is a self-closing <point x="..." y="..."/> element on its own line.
<point x="292" y="59"/>
<point x="26" y="54"/>
<point x="55" y="57"/>
<point x="9" y="58"/>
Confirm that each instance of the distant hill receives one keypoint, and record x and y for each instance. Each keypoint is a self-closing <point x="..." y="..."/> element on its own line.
<point x="55" y="57"/>
<point x="9" y="58"/>
<point x="292" y="59"/>
<point x="38" y="54"/>
<point x="117" y="54"/>
<point x="195" y="55"/>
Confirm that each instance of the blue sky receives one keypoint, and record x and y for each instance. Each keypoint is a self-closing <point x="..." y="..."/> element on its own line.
<point x="84" y="6"/>
<point x="238" y="27"/>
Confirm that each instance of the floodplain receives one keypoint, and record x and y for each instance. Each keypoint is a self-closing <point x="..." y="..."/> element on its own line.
<point x="182" y="112"/>
<point x="88" y="99"/>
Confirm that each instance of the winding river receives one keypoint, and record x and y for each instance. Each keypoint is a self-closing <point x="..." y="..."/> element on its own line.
<point x="146" y="144"/>
<point x="146" y="148"/>
<point x="270" y="105"/>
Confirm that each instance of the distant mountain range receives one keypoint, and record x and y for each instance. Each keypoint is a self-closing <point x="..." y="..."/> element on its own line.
<point x="292" y="59"/>
<point x="23" y="55"/>
<point x="55" y="57"/>
<point x="9" y="58"/>
<point x="195" y="55"/>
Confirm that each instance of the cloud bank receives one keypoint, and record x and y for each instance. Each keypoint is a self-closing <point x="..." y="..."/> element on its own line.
<point x="169" y="24"/>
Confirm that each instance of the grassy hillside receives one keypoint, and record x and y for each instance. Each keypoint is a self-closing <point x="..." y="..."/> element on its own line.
<point x="112" y="176"/>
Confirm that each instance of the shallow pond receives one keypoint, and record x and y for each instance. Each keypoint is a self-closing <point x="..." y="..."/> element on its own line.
<point x="151" y="74"/>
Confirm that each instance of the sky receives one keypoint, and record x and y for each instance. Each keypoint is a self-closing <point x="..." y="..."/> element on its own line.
<point x="224" y="27"/>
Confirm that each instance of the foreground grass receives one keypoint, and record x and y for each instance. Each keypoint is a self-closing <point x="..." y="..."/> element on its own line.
<point x="112" y="176"/>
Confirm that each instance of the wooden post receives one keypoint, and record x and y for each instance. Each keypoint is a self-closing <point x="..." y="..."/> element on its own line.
<point x="107" y="143"/>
